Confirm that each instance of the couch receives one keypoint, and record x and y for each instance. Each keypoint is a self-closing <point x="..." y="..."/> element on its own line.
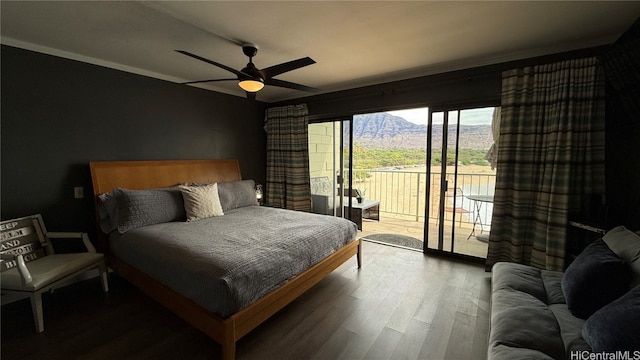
<point x="592" y="307"/>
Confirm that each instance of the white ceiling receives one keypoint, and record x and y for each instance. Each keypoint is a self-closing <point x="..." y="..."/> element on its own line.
<point x="354" y="43"/>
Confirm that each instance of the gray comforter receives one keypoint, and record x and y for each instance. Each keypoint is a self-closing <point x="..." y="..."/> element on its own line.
<point x="226" y="263"/>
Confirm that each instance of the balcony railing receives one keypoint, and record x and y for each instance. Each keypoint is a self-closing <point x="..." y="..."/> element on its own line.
<point x="402" y="192"/>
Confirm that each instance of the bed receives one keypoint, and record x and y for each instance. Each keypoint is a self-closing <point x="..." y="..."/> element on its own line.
<point x="213" y="284"/>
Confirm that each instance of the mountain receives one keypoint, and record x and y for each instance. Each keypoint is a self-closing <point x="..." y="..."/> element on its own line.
<point x="386" y="130"/>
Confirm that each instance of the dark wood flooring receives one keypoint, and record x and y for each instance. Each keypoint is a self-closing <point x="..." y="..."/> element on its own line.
<point x="400" y="305"/>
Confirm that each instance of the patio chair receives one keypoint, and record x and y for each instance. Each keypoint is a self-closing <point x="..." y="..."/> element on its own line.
<point x="29" y="265"/>
<point x="454" y="198"/>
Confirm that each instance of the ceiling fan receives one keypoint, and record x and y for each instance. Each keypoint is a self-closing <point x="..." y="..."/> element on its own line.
<point x="252" y="79"/>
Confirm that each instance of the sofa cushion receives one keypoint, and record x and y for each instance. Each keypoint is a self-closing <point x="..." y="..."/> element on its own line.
<point x="552" y="281"/>
<point x="522" y="325"/>
<point x="615" y="327"/>
<point x="570" y="329"/>
<point x="518" y="277"/>
<point x="595" y="278"/>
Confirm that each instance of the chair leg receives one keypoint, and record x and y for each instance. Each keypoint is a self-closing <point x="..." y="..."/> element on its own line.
<point x="36" y="308"/>
<point x="103" y="277"/>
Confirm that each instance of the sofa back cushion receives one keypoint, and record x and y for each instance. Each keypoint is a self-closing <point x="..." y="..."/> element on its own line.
<point x="594" y="279"/>
<point x="626" y="244"/>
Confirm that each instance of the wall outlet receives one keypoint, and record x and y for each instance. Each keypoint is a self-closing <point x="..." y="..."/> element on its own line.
<point x="78" y="192"/>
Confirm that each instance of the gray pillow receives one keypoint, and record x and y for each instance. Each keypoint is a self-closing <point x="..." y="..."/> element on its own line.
<point x="129" y="209"/>
<point x="108" y="211"/>
<point x="623" y="242"/>
<point x="626" y="244"/>
<point x="237" y="194"/>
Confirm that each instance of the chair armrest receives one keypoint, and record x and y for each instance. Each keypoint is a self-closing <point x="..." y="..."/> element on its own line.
<point x="73" y="235"/>
<point x="22" y="268"/>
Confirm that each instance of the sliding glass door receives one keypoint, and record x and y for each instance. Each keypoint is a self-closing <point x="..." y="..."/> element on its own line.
<point x="460" y="181"/>
<point x="329" y="163"/>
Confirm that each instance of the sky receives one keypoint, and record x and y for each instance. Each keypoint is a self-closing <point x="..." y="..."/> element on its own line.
<point x="480" y="116"/>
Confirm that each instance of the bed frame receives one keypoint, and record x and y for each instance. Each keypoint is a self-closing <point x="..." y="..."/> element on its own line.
<point x="226" y="331"/>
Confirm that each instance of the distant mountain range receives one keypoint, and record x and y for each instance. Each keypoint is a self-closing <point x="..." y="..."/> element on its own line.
<point x="386" y="130"/>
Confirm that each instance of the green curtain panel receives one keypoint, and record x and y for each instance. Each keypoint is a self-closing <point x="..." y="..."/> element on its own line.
<point x="288" y="157"/>
<point x="550" y="159"/>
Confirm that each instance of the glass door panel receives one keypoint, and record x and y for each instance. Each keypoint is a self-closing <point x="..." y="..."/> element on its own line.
<point x="329" y="149"/>
<point x="434" y="211"/>
<point x="461" y="181"/>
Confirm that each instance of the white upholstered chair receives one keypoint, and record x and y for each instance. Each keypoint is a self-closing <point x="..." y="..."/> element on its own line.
<point x="29" y="265"/>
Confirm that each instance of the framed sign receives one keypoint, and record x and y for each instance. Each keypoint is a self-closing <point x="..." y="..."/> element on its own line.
<point x="23" y="236"/>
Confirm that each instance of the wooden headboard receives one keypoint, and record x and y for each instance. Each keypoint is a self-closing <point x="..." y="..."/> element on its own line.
<point x="107" y="175"/>
<point x="136" y="175"/>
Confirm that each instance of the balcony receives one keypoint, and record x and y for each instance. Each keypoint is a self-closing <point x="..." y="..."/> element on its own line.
<point x="401" y="192"/>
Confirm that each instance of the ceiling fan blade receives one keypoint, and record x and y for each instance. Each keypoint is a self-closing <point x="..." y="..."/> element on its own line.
<point x="204" y="81"/>
<point x="232" y="70"/>
<point x="274" y="70"/>
<point x="251" y="95"/>
<point x="289" y="85"/>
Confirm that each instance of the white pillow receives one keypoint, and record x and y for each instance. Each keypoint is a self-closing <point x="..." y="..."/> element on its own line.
<point x="201" y="202"/>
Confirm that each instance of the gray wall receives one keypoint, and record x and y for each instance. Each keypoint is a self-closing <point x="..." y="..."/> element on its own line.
<point x="59" y="114"/>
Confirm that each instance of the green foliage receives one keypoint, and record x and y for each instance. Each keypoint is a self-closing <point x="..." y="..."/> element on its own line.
<point x="375" y="157"/>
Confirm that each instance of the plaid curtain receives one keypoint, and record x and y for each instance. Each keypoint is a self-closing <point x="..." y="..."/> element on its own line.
<point x="288" y="158"/>
<point x="550" y="159"/>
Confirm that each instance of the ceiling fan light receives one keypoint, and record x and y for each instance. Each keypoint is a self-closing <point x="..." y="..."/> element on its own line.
<point x="251" y="85"/>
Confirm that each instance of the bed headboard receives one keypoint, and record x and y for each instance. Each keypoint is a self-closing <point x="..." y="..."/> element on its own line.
<point x="107" y="175"/>
<point x="136" y="175"/>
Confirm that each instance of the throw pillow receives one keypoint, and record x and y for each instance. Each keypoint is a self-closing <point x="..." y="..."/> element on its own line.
<point x="201" y="202"/>
<point x="615" y="327"/>
<point x="237" y="194"/>
<point x="125" y="209"/>
<point x="623" y="242"/>
<point x="626" y="244"/>
<point x="595" y="278"/>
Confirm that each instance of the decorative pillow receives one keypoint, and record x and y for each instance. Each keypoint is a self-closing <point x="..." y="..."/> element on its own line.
<point x="626" y="244"/>
<point x="237" y="194"/>
<point x="124" y="209"/>
<point x="108" y="211"/>
<point x="595" y="278"/>
<point x="615" y="327"/>
<point x="201" y="202"/>
<point x="623" y="242"/>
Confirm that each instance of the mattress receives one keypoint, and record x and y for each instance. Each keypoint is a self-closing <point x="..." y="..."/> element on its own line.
<point x="226" y="263"/>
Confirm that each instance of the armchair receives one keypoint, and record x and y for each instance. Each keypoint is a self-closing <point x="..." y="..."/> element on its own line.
<point x="29" y="265"/>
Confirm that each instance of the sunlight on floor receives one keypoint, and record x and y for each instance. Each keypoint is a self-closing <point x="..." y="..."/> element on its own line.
<point x="405" y="225"/>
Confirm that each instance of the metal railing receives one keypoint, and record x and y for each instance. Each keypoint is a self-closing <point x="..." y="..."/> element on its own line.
<point x="402" y="192"/>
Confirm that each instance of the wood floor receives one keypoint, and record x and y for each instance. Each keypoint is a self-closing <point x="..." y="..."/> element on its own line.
<point x="400" y="305"/>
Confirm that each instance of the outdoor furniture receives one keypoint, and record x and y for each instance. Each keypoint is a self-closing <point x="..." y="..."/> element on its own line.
<point x="478" y="200"/>
<point x="323" y="195"/>
<point x="367" y="209"/>
<point x="454" y="198"/>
